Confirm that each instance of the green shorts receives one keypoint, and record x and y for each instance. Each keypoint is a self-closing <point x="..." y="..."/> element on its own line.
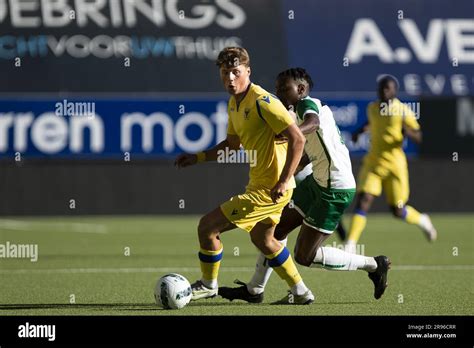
<point x="322" y="208"/>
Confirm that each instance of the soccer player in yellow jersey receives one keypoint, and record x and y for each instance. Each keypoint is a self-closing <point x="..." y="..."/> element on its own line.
<point x="256" y="119"/>
<point x="385" y="165"/>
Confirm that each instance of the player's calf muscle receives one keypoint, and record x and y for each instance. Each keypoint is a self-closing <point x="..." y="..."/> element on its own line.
<point x="265" y="244"/>
<point x="364" y="201"/>
<point x="307" y="244"/>
<point x="304" y="259"/>
<point x="262" y="236"/>
<point x="305" y="253"/>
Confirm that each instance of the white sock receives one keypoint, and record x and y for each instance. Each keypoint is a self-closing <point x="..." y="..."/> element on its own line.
<point x="425" y="222"/>
<point x="210" y="284"/>
<point x="299" y="288"/>
<point x="262" y="274"/>
<point x="340" y="260"/>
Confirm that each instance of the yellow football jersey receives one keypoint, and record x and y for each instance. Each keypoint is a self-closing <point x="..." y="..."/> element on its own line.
<point x="259" y="117"/>
<point x="385" y="124"/>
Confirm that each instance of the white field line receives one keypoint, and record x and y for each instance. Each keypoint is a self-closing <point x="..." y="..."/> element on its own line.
<point x="79" y="227"/>
<point x="196" y="269"/>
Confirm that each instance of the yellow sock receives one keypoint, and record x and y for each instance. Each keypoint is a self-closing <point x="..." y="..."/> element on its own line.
<point x="359" y="220"/>
<point x="210" y="261"/>
<point x="411" y="215"/>
<point x="283" y="264"/>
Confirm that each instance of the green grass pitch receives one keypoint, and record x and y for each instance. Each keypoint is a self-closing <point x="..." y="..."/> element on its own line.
<point x="84" y="258"/>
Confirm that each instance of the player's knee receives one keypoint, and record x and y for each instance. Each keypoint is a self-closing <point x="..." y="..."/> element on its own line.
<point x="255" y="240"/>
<point x="262" y="243"/>
<point x="364" y="201"/>
<point x="204" y="228"/>
<point x="397" y="212"/>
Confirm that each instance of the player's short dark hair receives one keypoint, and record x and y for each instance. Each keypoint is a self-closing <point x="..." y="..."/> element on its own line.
<point x="296" y="74"/>
<point x="233" y="56"/>
<point x="382" y="81"/>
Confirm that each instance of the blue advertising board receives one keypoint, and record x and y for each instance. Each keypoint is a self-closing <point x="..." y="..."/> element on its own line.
<point x="427" y="44"/>
<point x="140" y="128"/>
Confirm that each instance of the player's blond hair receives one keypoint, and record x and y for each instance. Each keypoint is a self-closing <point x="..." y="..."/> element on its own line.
<point x="233" y="56"/>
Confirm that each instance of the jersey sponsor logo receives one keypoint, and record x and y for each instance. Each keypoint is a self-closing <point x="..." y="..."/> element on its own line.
<point x="266" y="99"/>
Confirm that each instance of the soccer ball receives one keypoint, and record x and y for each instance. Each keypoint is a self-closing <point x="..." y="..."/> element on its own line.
<point x="172" y="291"/>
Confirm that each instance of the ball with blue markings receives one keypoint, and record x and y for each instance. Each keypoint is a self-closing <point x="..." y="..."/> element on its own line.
<point x="172" y="291"/>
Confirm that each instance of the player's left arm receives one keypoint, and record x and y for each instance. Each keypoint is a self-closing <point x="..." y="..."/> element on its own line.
<point x="308" y="126"/>
<point x="310" y="123"/>
<point x="309" y="112"/>
<point x="411" y="127"/>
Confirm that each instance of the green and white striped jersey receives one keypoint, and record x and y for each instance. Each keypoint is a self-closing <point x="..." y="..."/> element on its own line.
<point x="325" y="147"/>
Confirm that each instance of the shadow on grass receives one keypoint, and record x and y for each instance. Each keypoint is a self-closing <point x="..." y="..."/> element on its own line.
<point x="103" y="306"/>
<point x="97" y="306"/>
<point x="142" y="306"/>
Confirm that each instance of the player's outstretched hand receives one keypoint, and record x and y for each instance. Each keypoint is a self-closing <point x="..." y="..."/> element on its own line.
<point x="278" y="191"/>
<point x="185" y="160"/>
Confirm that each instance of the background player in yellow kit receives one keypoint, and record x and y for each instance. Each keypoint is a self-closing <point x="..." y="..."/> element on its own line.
<point x="385" y="165"/>
<point x="255" y="119"/>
